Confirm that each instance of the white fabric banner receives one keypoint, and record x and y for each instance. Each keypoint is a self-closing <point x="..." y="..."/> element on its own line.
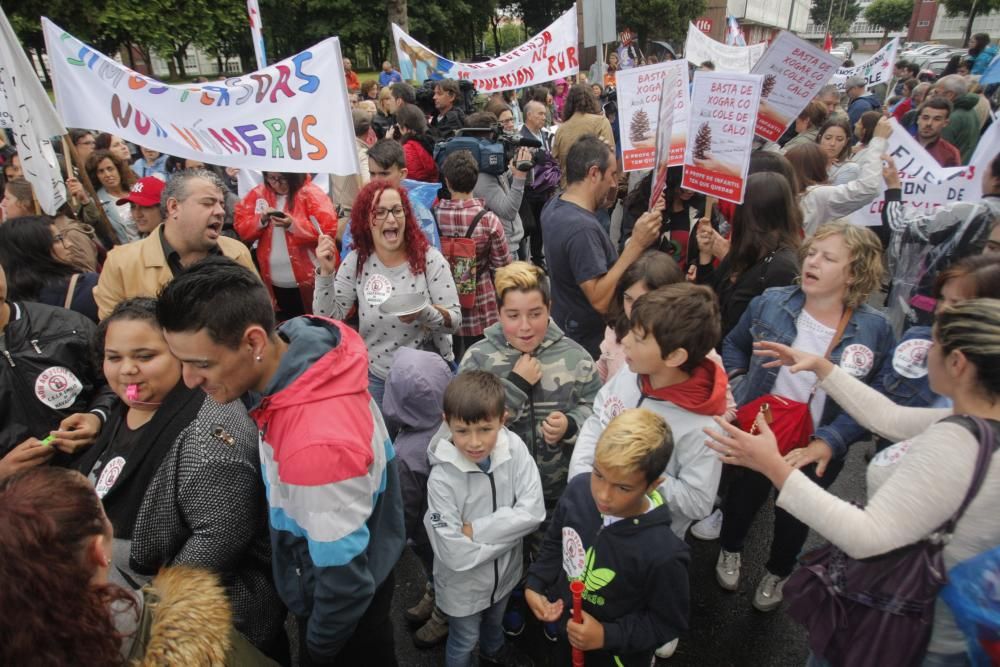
<point x="699" y="47"/>
<point x="639" y="112"/>
<point x="293" y="116"/>
<point x="720" y="133"/>
<point x="549" y="55"/>
<point x="6" y="118"/>
<point x="257" y="33"/>
<point x="32" y="119"/>
<point x="794" y="70"/>
<point x="877" y="69"/>
<point x="926" y="184"/>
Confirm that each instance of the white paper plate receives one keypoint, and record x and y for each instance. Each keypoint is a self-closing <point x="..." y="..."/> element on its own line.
<point x="401" y="305"/>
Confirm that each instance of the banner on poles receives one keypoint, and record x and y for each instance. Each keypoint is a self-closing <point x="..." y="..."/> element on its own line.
<point x="639" y="112"/>
<point x="293" y="116"/>
<point x="699" y="47"/>
<point x="794" y="70"/>
<point x="257" y="33"/>
<point x="549" y="55"/>
<point x="877" y="70"/>
<point x="32" y="119"/>
<point x="720" y="133"/>
<point x="927" y="185"/>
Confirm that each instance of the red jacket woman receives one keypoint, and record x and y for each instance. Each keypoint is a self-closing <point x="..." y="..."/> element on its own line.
<point x="282" y="214"/>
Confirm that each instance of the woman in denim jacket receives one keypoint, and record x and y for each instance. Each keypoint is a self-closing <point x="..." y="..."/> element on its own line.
<point x="841" y="266"/>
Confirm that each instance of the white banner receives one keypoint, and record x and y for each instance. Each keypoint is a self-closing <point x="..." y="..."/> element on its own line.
<point x="926" y="184"/>
<point x="6" y="118"/>
<point x="257" y="33"/>
<point x="877" y="69"/>
<point x="32" y="119"/>
<point x="549" y="55"/>
<point x="720" y="133"/>
<point x="639" y="112"/>
<point x="293" y="116"/>
<point x="699" y="47"/>
<point x="794" y="70"/>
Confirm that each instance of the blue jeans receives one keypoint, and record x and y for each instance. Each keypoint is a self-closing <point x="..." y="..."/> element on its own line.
<point x="463" y="632"/>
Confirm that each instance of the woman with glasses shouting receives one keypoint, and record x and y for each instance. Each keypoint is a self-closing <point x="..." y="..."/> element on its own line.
<point x="403" y="288"/>
<point x="285" y="215"/>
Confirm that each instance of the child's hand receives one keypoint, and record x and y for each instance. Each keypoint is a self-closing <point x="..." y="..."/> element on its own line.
<point x="554" y="427"/>
<point x="467" y="530"/>
<point x="529" y="368"/>
<point x="545" y="611"/>
<point x="586" y="636"/>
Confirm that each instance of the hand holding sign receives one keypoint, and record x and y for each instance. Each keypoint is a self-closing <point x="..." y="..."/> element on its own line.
<point x="326" y="255"/>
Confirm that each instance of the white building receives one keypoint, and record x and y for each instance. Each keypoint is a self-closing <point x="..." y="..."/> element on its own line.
<point x="762" y="19"/>
<point x="951" y="29"/>
<point x="866" y="36"/>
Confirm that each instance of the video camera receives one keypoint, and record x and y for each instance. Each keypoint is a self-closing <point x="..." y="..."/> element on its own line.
<point x="492" y="148"/>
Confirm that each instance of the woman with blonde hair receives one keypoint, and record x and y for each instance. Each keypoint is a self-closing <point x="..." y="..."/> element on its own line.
<point x="825" y="314"/>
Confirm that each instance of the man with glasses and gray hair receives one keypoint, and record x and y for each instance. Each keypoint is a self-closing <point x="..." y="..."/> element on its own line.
<point x="194" y="204"/>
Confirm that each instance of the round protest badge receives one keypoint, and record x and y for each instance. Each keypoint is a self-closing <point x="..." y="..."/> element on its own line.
<point x="109" y="476"/>
<point x="574" y="555"/>
<point x="857" y="360"/>
<point x="377" y="289"/>
<point x="910" y="359"/>
<point x="892" y="455"/>
<point x="260" y="206"/>
<point x="57" y="387"/>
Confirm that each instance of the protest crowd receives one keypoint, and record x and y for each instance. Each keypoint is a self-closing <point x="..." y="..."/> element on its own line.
<point x="232" y="398"/>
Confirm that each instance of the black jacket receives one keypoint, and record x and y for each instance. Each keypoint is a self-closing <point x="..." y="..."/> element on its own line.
<point x="637" y="576"/>
<point x="47" y="372"/>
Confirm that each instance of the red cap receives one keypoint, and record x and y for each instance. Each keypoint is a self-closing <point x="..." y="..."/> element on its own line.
<point x="145" y="192"/>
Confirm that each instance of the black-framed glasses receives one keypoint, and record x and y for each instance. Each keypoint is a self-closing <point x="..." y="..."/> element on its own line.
<point x="382" y="214"/>
<point x="276" y="179"/>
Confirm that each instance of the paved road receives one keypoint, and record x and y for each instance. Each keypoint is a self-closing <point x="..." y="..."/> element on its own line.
<point x="725" y="629"/>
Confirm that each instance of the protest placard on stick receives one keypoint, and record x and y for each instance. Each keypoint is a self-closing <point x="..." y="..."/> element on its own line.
<point x="640" y="111"/>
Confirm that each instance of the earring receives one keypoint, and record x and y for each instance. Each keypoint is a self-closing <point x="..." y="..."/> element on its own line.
<point x="107" y="562"/>
<point x="259" y="358"/>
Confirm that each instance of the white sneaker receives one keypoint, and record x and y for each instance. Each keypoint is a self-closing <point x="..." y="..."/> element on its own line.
<point x="768" y="596"/>
<point x="708" y="528"/>
<point x="667" y="650"/>
<point x="727" y="570"/>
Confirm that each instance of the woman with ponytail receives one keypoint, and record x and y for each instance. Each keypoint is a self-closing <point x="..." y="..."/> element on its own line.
<point x="60" y="600"/>
<point x="179" y="474"/>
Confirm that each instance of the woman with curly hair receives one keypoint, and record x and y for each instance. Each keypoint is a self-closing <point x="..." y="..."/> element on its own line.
<point x="825" y="314"/>
<point x="68" y="606"/>
<point x="391" y="259"/>
<point x="581" y="115"/>
<point x="179" y="474"/>
<point x="116" y="178"/>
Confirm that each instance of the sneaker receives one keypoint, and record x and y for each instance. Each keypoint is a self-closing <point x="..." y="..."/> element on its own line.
<point x="668" y="649"/>
<point x="551" y="631"/>
<point x="708" y="528"/>
<point x="768" y="596"/>
<point x="513" y="620"/>
<point x="509" y="656"/>
<point x="419" y="613"/>
<point x="433" y="632"/>
<point x="727" y="570"/>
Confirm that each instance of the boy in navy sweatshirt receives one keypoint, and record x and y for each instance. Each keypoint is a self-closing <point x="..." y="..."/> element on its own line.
<point x="611" y="530"/>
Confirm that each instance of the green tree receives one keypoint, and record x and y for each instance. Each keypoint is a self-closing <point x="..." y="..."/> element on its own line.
<point x="841" y="15"/>
<point x="658" y="19"/>
<point x="890" y="15"/>
<point x="970" y="9"/>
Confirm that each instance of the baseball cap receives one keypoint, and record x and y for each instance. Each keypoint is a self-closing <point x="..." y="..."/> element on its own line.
<point x="145" y="192"/>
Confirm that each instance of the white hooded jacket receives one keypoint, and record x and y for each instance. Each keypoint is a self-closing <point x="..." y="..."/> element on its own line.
<point x="502" y="504"/>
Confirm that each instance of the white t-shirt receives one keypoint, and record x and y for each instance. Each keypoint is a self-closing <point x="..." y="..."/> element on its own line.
<point x="813" y="337"/>
<point x="279" y="261"/>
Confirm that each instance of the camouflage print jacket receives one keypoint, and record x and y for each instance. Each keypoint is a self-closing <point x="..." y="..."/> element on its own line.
<point x="569" y="384"/>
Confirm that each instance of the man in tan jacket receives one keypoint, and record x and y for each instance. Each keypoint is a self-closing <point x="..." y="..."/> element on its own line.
<point x="192" y="230"/>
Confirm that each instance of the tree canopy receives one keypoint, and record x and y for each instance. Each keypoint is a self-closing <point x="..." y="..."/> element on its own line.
<point x="889" y="15"/>
<point x="841" y="13"/>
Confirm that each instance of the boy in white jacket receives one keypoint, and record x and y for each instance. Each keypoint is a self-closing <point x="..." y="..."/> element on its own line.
<point x="484" y="494"/>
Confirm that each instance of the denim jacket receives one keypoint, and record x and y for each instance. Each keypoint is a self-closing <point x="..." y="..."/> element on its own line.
<point x="866" y="344"/>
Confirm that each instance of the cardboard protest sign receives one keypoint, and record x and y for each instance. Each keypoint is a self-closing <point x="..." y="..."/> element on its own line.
<point x="671" y="128"/>
<point x="28" y="112"/>
<point x="293" y="116"/>
<point x="549" y="55"/>
<point x="876" y="70"/>
<point x="794" y="70"/>
<point x="720" y="133"/>
<point x="926" y="185"/>
<point x="639" y="111"/>
<point x="699" y="47"/>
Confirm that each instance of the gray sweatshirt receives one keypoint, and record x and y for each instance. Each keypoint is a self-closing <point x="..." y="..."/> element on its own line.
<point x="504" y="199"/>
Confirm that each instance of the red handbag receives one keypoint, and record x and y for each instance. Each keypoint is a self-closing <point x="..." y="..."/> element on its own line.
<point x="790" y="421"/>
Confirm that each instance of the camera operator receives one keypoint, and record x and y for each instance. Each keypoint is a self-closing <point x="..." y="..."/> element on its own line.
<point x="502" y="194"/>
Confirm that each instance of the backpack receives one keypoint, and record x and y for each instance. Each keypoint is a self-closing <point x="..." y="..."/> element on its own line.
<point x="460" y="251"/>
